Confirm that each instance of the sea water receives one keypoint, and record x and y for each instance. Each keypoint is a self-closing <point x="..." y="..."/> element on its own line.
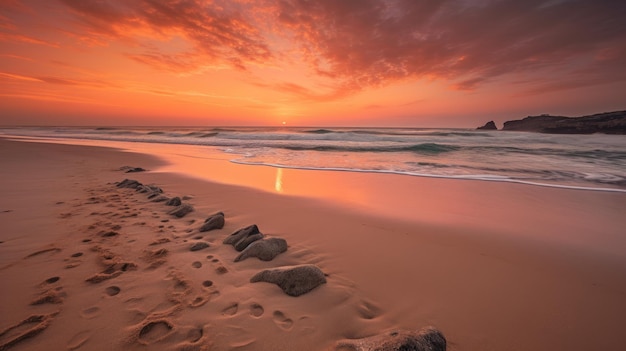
<point x="593" y="162"/>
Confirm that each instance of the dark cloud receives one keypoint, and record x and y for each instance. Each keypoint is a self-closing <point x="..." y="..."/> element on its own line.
<point x="368" y="43"/>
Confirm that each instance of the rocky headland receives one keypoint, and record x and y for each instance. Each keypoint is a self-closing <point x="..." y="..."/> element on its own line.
<point x="607" y="123"/>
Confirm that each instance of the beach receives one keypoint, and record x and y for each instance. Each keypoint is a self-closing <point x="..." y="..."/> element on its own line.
<point x="88" y="265"/>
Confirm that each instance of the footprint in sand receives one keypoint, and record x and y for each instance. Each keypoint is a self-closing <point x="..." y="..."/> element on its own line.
<point x="282" y="321"/>
<point x="219" y="269"/>
<point x="43" y="251"/>
<point x="199" y="301"/>
<point x="25" y="329"/>
<point x="256" y="310"/>
<point x="52" y="280"/>
<point x="52" y="296"/>
<point x="154" y="331"/>
<point x="368" y="310"/>
<point x="194" y="335"/>
<point x="231" y="310"/>
<point x="79" y="340"/>
<point x="91" y="312"/>
<point x="112" y="290"/>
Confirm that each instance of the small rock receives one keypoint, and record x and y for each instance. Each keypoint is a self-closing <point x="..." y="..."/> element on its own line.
<point x="175" y="201"/>
<point x="160" y="198"/>
<point x="135" y="169"/>
<point x="181" y="211"/>
<point x="198" y="246"/>
<point x="243" y="243"/>
<point x="240" y="234"/>
<point x="129" y="183"/>
<point x="215" y="221"/>
<point x="265" y="249"/>
<point x="295" y="280"/>
<point x="426" y="339"/>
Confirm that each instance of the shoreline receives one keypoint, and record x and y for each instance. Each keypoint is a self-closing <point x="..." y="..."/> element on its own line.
<point x="413" y="269"/>
<point x="240" y="159"/>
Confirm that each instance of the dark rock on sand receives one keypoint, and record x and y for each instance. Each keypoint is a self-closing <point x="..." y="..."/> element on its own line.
<point x="426" y="339"/>
<point x="181" y="211"/>
<point x="160" y="198"/>
<point x="135" y="169"/>
<point x="175" y="201"/>
<point x="240" y="234"/>
<point x="129" y="183"/>
<point x="295" y="280"/>
<point x="198" y="246"/>
<point x="215" y="221"/>
<point x="243" y="243"/>
<point x="491" y="125"/>
<point x="153" y="195"/>
<point x="152" y="189"/>
<point x="265" y="249"/>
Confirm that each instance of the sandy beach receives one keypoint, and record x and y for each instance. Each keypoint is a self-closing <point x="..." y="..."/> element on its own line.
<point x="88" y="265"/>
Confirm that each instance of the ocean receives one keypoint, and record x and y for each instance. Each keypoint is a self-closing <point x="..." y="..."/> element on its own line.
<point x="594" y="162"/>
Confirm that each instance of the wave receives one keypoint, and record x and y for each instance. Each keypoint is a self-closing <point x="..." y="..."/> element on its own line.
<point x="482" y="177"/>
<point x="321" y="131"/>
<point x="425" y="148"/>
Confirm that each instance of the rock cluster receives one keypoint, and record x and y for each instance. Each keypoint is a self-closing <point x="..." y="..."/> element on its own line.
<point x="155" y="194"/>
<point x="292" y="280"/>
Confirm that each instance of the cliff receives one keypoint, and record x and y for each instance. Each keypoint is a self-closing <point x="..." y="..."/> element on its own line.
<point x="607" y="123"/>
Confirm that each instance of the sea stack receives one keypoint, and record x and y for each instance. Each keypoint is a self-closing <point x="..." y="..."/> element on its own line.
<point x="491" y="125"/>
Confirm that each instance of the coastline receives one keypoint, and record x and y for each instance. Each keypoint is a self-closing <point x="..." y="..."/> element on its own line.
<point x="456" y="254"/>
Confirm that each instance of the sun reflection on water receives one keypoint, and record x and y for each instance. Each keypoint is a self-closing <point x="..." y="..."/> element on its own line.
<point x="278" y="184"/>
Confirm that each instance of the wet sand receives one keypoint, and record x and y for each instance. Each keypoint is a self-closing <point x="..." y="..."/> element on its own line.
<point x="494" y="266"/>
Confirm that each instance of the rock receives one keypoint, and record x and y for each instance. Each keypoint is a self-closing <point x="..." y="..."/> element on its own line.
<point x="294" y="280"/>
<point x="149" y="189"/>
<point x="181" y="211"/>
<point x="491" y="125"/>
<point x="160" y="198"/>
<point x="175" y="201"/>
<point x="240" y="234"/>
<point x="129" y="183"/>
<point x="135" y="169"/>
<point x="198" y="246"/>
<point x="426" y="339"/>
<point x="243" y="243"/>
<point x="607" y="123"/>
<point x="265" y="249"/>
<point x="153" y="195"/>
<point x="215" y="221"/>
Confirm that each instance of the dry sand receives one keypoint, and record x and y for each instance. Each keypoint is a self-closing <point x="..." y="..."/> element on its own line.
<point x="87" y="265"/>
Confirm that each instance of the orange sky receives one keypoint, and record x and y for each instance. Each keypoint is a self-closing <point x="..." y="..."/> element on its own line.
<point x="327" y="62"/>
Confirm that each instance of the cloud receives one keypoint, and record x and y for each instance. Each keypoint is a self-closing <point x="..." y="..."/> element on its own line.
<point x="25" y="39"/>
<point x="365" y="43"/>
<point x="218" y="34"/>
<point x="353" y="45"/>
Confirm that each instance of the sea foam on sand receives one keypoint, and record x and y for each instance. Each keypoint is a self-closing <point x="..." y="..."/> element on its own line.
<point x="88" y="265"/>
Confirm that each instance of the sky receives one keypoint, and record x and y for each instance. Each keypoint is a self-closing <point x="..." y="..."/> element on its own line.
<point x="416" y="63"/>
